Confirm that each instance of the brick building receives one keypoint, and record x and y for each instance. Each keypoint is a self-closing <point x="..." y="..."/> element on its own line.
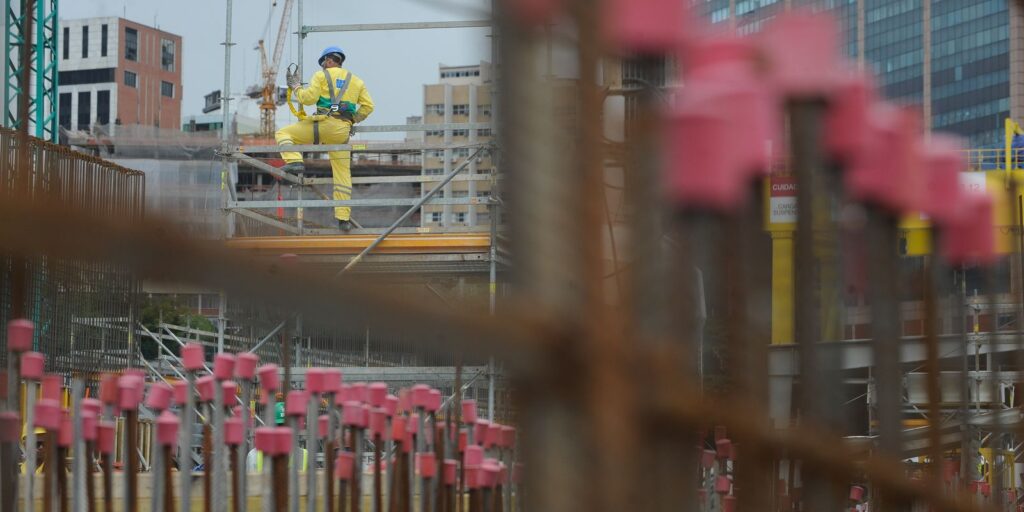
<point x="116" y="71"/>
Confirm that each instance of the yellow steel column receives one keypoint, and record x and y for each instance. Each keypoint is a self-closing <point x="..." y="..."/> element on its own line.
<point x="782" y="287"/>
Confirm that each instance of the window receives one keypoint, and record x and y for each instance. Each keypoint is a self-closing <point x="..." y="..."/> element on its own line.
<point x="435" y="153"/>
<point x="103" y="108"/>
<point x="460" y="193"/>
<point x="67" y="44"/>
<point x="483" y="132"/>
<point x="460" y="152"/>
<point x="64" y="110"/>
<point x="131" y="79"/>
<point x="86" y="76"/>
<point x="434" y="217"/>
<point x="460" y="110"/>
<point x="85" y="41"/>
<point x="435" y="133"/>
<point x="460" y="217"/>
<point x="84" y="110"/>
<point x="433" y="171"/>
<point x="436" y="109"/>
<point x="167" y="89"/>
<point x="483" y="110"/>
<point x="167" y="55"/>
<point x="460" y="133"/>
<point x="131" y="44"/>
<point x="103" y="41"/>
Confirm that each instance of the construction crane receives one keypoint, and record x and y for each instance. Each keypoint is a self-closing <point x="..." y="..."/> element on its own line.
<point x="267" y="90"/>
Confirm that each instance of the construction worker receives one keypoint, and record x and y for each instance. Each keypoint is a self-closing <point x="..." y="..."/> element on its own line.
<point x="40" y="451"/>
<point x="254" y="459"/>
<point x="341" y="100"/>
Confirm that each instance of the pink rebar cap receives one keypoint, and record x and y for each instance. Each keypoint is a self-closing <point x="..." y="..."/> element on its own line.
<point x="204" y="385"/>
<point x="52" y="386"/>
<point x="391" y="404"/>
<point x="234" y="431"/>
<point x="469" y="412"/>
<point x="646" y="26"/>
<point x="108" y="389"/>
<point x="263" y="439"/>
<point x="433" y="400"/>
<point x="167" y="429"/>
<point x="105" y="433"/>
<point x="378" y="392"/>
<point x="379" y="422"/>
<point x="129" y="392"/>
<point x="89" y="423"/>
<point x="281" y="439"/>
<point x="474" y="456"/>
<point x="480" y="431"/>
<point x="493" y="435"/>
<point x="723" y="484"/>
<point x="193" y="357"/>
<point x="426" y="464"/>
<point x="359" y="392"/>
<point x="19" y="335"/>
<point x="450" y="471"/>
<point x="180" y="392"/>
<point x="473" y="476"/>
<point x="491" y="472"/>
<point x="270" y="380"/>
<point x="970" y="237"/>
<point x="316" y="379"/>
<point x="65" y="431"/>
<point x="508" y="436"/>
<point x="322" y="424"/>
<point x="802" y="50"/>
<point x="344" y="466"/>
<point x="888" y="173"/>
<point x="412" y="426"/>
<point x="223" y="366"/>
<point x="295" y="403"/>
<point x="354" y="415"/>
<point x="702" y="164"/>
<point x="333" y="380"/>
<point x="48" y="414"/>
<point x="398" y="429"/>
<point x="33" y="365"/>
<point x="943" y="162"/>
<point x="846" y="130"/>
<point x="420" y="395"/>
<point x="723" y="448"/>
<point x="229" y="390"/>
<point x="245" y="365"/>
<point x="159" y="397"/>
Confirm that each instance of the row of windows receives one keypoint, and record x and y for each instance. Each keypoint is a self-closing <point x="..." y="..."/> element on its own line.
<point x="459" y="74"/>
<point x="85" y="41"/>
<point x="968" y="13"/>
<point x="439" y="171"/>
<point x="439" y="153"/>
<point x="483" y="132"/>
<point x="971" y="84"/>
<point x="131" y="46"/>
<point x="457" y="110"/>
<point x="972" y="112"/>
<point x="461" y="194"/>
<point x="131" y="79"/>
<point x="971" y="41"/>
<point x="84" y="109"/>
<point x="892" y="9"/>
<point x="973" y="55"/>
<point x="459" y="217"/>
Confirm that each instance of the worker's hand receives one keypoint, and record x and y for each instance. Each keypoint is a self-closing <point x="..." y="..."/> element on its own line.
<point x="294" y="82"/>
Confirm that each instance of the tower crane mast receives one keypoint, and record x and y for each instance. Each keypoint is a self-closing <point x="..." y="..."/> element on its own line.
<point x="268" y="104"/>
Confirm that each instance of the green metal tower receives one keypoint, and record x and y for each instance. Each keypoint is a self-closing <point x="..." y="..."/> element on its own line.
<point x="43" y="87"/>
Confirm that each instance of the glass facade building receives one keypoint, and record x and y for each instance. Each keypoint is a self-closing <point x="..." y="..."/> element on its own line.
<point x="949" y="57"/>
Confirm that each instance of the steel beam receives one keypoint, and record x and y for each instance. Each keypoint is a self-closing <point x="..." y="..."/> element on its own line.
<point x="331" y="203"/>
<point x="422" y="25"/>
<point x="356" y="147"/>
<point x="384" y="128"/>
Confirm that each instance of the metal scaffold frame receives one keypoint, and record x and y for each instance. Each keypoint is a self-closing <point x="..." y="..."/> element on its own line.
<point x="43" y="104"/>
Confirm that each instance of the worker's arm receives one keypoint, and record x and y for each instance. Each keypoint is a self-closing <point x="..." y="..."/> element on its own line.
<point x="310" y="95"/>
<point x="365" y="103"/>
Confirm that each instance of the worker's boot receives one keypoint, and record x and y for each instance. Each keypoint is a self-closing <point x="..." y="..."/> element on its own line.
<point x="294" y="168"/>
<point x="345" y="225"/>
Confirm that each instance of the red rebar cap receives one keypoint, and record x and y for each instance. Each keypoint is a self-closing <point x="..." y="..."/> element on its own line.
<point x="722" y="484"/>
<point x="296" y="402"/>
<point x="65" y="430"/>
<point x="204" y="385"/>
<point x="723" y="448"/>
<point x="707" y="458"/>
<point x="52" y="386"/>
<point x="403" y="400"/>
<point x="269" y="378"/>
<point x="105" y="433"/>
<point x="729" y="503"/>
<point x="970" y="237"/>
<point x="167" y="429"/>
<point x="888" y="173"/>
<point x="493" y="435"/>
<point x="378" y="392"/>
<point x="473" y="456"/>
<point x="450" y="471"/>
<point x="193" y="357"/>
<point x="802" y="50"/>
<point x="281" y="440"/>
<point x="702" y="164"/>
<point x="943" y="163"/>
<point x="398" y="429"/>
<point x="719" y="56"/>
<point x="229" y="390"/>
<point x="234" y="431"/>
<point x="333" y="380"/>
<point x="129" y="392"/>
<point x="159" y="397"/>
<point x="420" y="395"/>
<point x="535" y="12"/>
<point x="480" y="431"/>
<point x="323" y="422"/>
<point x="344" y="466"/>
<point x="48" y="414"/>
<point x="646" y="26"/>
<point x="508" y="436"/>
<point x="316" y="380"/>
<point x="92" y="405"/>
<point x="353" y="414"/>
<point x="33" y="365"/>
<point x="180" y="392"/>
<point x="856" y="493"/>
<point x="223" y="366"/>
<point x="342" y="395"/>
<point x="263" y="439"/>
<point x="245" y="365"/>
<point x="10" y="426"/>
<point x="473" y="476"/>
<point x="463" y="440"/>
<point x="434" y="400"/>
<point x="491" y="473"/>
<point x="108" y="389"/>
<point x="426" y="464"/>
<point x="391" y="404"/>
<point x="846" y="130"/>
<point x="359" y="392"/>
<point x="379" y="422"/>
<point x="413" y="425"/>
<point x="89" y="422"/>
<point x="19" y="335"/>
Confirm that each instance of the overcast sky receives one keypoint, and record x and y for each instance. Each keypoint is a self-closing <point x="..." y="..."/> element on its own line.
<point x="394" y="65"/>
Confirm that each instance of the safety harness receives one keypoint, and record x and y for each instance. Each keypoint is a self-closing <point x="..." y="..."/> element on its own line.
<point x="339" y="109"/>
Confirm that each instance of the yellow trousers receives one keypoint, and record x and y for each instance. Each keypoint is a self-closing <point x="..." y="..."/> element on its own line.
<point x="332" y="131"/>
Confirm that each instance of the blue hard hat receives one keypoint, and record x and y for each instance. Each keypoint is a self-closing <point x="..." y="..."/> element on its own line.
<point x="329" y="51"/>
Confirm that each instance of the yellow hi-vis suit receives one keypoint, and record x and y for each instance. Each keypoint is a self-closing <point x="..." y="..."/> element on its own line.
<point x="327" y="128"/>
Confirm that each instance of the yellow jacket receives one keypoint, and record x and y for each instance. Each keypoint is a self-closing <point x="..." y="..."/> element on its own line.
<point x="318" y="93"/>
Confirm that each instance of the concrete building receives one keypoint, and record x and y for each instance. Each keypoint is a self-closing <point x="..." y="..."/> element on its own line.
<point x="463" y="95"/>
<point x="113" y="71"/>
<point x="962" y="62"/>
